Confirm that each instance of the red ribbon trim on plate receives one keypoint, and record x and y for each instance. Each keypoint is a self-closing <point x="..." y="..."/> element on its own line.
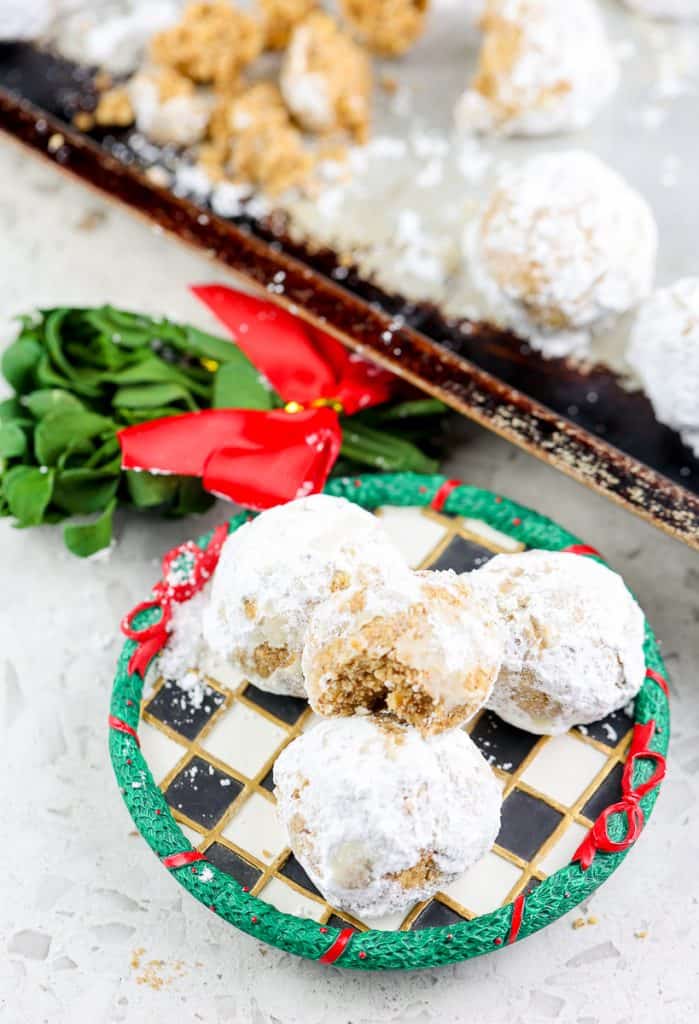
<point x="598" y="838"/>
<point x="337" y="948"/>
<point x="181" y="860"/>
<point x="657" y="678"/>
<point x="258" y="458"/>
<point x="442" y="493"/>
<point x="119" y="726"/>
<point x="517" y="915"/>
<point x="581" y="549"/>
<point x="171" y="589"/>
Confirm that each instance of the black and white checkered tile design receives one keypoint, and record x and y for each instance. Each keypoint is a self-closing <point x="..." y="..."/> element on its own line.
<point x="214" y="765"/>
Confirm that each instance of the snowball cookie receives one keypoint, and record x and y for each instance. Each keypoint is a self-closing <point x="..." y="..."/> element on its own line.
<point x="561" y="245"/>
<point x="389" y="27"/>
<point x="665" y="8"/>
<point x="381" y="817"/>
<point x="274" y="571"/>
<point x="544" y="66"/>
<point x="326" y="78"/>
<point x="426" y="649"/>
<point x="574" y="649"/>
<point x="664" y="351"/>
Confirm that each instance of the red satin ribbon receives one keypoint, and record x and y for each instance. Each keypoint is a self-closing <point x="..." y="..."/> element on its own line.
<point x="175" y="586"/>
<point x="260" y="459"/>
<point x="598" y="838"/>
<point x="257" y="459"/>
<point x="301" y="362"/>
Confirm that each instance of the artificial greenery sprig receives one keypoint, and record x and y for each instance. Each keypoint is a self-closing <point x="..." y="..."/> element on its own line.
<point x="80" y="375"/>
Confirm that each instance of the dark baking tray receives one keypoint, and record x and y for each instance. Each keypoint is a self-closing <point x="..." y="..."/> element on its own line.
<point x="582" y="422"/>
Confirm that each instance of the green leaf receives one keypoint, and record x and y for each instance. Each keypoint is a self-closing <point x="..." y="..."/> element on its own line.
<point x="28" y="493"/>
<point x="206" y="346"/>
<point x="148" y="490"/>
<point x="66" y="429"/>
<point x="87" y="539"/>
<point x="237" y="385"/>
<point x="383" y="451"/>
<point x="47" y="400"/>
<point x="11" y="409"/>
<point x="191" y="499"/>
<point x="408" y="410"/>
<point x="19" y="363"/>
<point x="13" y="441"/>
<point x="154" y="370"/>
<point x="148" y="396"/>
<point x="81" y="491"/>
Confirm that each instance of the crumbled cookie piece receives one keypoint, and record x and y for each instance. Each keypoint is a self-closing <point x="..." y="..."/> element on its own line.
<point x="212" y="43"/>
<point x="168" y="107"/>
<point x="326" y="78"/>
<point x="251" y="138"/>
<point x="280" y="19"/>
<point x="265" y="148"/>
<point x="389" y="27"/>
<point x="115" y="108"/>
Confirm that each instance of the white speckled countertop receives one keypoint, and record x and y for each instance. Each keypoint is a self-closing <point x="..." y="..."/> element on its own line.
<point x="82" y="900"/>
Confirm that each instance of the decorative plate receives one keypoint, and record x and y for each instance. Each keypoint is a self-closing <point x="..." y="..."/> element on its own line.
<point x="197" y="780"/>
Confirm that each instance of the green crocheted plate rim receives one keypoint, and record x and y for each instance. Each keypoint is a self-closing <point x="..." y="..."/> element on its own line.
<point x="382" y="950"/>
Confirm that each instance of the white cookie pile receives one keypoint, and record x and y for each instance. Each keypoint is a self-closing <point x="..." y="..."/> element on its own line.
<point x="388" y="800"/>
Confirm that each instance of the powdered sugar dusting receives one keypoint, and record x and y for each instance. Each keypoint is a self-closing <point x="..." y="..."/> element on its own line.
<point x="574" y="650"/>
<point x="544" y="67"/>
<point x="664" y="351"/>
<point x="272" y="573"/>
<point x="561" y="246"/>
<point x="374" y="840"/>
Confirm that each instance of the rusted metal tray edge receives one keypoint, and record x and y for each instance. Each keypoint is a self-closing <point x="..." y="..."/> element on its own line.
<point x="458" y="382"/>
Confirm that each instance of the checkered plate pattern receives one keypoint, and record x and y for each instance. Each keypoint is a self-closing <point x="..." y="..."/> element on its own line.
<point x="213" y="762"/>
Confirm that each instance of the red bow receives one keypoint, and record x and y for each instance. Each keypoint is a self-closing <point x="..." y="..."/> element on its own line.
<point x="259" y="459"/>
<point x="186" y="569"/>
<point x="598" y="837"/>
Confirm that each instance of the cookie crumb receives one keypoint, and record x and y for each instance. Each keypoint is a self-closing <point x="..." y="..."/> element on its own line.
<point x="212" y="43"/>
<point x="280" y="19"/>
<point x="326" y="78"/>
<point x="115" y="108"/>
<point x="389" y="27"/>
